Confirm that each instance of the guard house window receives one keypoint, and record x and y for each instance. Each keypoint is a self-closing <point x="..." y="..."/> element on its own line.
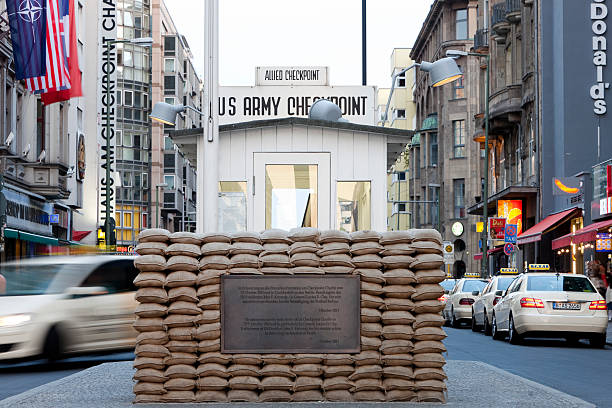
<point x="400" y="81"/>
<point x="399" y="114"/>
<point x="458" y="89"/>
<point x="461" y="24"/>
<point x="459" y="194"/>
<point x="354" y="203"/>
<point x="459" y="138"/>
<point x="433" y="146"/>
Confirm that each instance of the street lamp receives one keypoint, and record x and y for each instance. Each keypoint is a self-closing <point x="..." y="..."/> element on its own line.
<point x="109" y="106"/>
<point x="485" y="191"/>
<point x="166" y="113"/>
<point x="442" y="71"/>
<point x="157" y="187"/>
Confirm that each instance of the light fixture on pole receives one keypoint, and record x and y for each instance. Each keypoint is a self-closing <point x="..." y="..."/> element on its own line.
<point x="109" y="106"/>
<point x="485" y="190"/>
<point x="157" y="187"/>
<point x="442" y="71"/>
<point x="166" y="113"/>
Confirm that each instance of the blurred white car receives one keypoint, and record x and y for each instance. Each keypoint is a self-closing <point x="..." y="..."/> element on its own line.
<point x="55" y="306"/>
<point x="551" y="305"/>
<point x="482" y="309"/>
<point x="448" y="285"/>
<point x="459" y="303"/>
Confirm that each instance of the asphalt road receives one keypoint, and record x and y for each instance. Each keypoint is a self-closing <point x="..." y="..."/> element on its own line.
<point x="578" y="370"/>
<point x="17" y="378"/>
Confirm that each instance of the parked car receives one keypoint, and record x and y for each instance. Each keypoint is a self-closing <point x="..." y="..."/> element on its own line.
<point x="448" y="285"/>
<point x="459" y="303"/>
<point x="482" y="309"/>
<point x="551" y="305"/>
<point x="55" y="306"/>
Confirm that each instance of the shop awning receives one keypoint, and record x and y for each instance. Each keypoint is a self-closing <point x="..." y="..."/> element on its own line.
<point x="534" y="233"/>
<point x="26" y="236"/>
<point x="585" y="234"/>
<point x="490" y="251"/>
<point x="79" y="235"/>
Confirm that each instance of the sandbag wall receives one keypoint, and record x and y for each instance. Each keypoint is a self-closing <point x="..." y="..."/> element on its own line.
<point x="178" y="355"/>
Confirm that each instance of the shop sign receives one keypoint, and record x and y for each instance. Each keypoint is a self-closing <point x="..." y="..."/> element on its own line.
<point x="248" y="103"/>
<point x="497" y="228"/>
<point x="599" y="11"/>
<point x="603" y="242"/>
<point x="291" y="76"/>
<point x="26" y="213"/>
<point x="512" y="211"/>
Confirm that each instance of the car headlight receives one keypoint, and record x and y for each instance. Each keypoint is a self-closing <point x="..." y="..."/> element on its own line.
<point x="14" y="320"/>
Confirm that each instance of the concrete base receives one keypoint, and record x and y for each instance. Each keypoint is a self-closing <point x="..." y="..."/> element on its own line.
<point x="471" y="384"/>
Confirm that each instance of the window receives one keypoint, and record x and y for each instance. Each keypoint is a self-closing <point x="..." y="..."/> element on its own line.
<point x="128" y="61"/>
<point x="398" y="176"/>
<point x="459" y="138"/>
<point x="168" y="145"/>
<point x="127" y="219"/>
<point x="399" y="114"/>
<point x="434" y="196"/>
<point x="145" y="180"/>
<point x="399" y="207"/>
<point x="433" y="149"/>
<point x="504" y="283"/>
<point x="40" y="127"/>
<point x="127" y="98"/>
<point x="458" y="89"/>
<point x="354" y="205"/>
<point x="472" y="285"/>
<point x="169" y="161"/>
<point x="127" y="140"/>
<point x="169" y="180"/>
<point x="169" y="65"/>
<point x="400" y="81"/>
<point x="126" y="180"/>
<point x="116" y="276"/>
<point x="459" y="195"/>
<point x="171" y="100"/>
<point x="232" y="206"/>
<point x="559" y="284"/>
<point x="291" y="191"/>
<point x="169" y="45"/>
<point x="461" y="24"/>
<point x="169" y="83"/>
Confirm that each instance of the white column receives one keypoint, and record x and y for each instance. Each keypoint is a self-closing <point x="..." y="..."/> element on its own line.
<point x="208" y="148"/>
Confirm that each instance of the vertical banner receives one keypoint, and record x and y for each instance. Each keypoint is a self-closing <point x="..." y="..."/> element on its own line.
<point x="107" y="89"/>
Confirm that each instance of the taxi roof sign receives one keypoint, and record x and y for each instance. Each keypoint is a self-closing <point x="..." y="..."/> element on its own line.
<point x="539" y="267"/>
<point x="471" y="275"/>
<point x="508" y="271"/>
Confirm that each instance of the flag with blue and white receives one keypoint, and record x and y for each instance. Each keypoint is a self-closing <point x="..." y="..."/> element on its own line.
<point x="28" y="23"/>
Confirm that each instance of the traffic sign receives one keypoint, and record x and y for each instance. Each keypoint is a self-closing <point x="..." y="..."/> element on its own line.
<point x="508" y="248"/>
<point x="510" y="233"/>
<point x="449" y="252"/>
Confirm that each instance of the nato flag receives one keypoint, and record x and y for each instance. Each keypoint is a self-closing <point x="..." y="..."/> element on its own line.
<point x="28" y="21"/>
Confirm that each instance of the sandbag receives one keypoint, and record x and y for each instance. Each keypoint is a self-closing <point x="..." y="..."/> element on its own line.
<point x="206" y="346"/>
<point x="275" y="260"/>
<point x="151" y="248"/>
<point x="368" y="384"/>
<point x="396" y="237"/>
<point x="337" y="260"/>
<point x="370" y="261"/>
<point x="208" y="331"/>
<point x="393" y="317"/>
<point x="151" y="295"/>
<point x="246" y="236"/>
<point x="334" y="236"/>
<point x="399" y="277"/>
<point x="371" y="301"/>
<point x="239" y="370"/>
<point x="334" y="248"/>
<point x="429" y="333"/>
<point x="398" y="331"/>
<point x="367" y="371"/>
<point x="183" y="250"/>
<point x="276" y="383"/>
<point x="214" y="357"/>
<point x="149" y="362"/>
<point x="397" y="249"/>
<point x="178" y="396"/>
<point x="370" y="343"/>
<point x="150" y="263"/>
<point x="426" y="235"/>
<point x="373" y="396"/>
<point x="182" y="307"/>
<point x="365" y="248"/>
<point x="426" y="373"/>
<point x="176" y="320"/>
<point x="428" y="346"/>
<point x="181" y="358"/>
<point x="250" y="248"/>
<point x="150" y="279"/>
<point x="338" y="359"/>
<point x="211" y="396"/>
<point x="275" y="249"/>
<point x="303" y="247"/>
<point x="180" y="371"/>
<point x="151" y="310"/>
<point x="307" y="370"/>
<point x="209" y="316"/>
<point x="242" y="396"/>
<point x="271" y="236"/>
<point x="427" y="291"/>
<point x="187" y="294"/>
<point x="430" y="275"/>
<point x="397" y="261"/>
<point x="396" y="346"/>
<point x="181" y="333"/>
<point x="371" y="275"/>
<point x="370" y="315"/>
<point x="214" y="262"/>
<point x="151" y="350"/>
<point x="305" y="396"/>
<point x="275" y="270"/>
<point x="150" y="375"/>
<point x="304" y="234"/>
<point x="245" y="271"/>
<point x="275" y="396"/>
<point x="304" y="259"/>
<point x="427" y="261"/>
<point x="338" y="371"/>
<point x="208" y="290"/>
<point x="184" y="346"/>
<point x="398" y="304"/>
<point x="253" y="359"/>
<point x="397" y="359"/>
<point x="428" y="320"/>
<point x="338" y="270"/>
<point x="216" y="248"/>
<point x="338" y="396"/>
<point x="371" y="329"/>
<point x="364" y="236"/>
<point x="180" y="384"/>
<point x="152" y="337"/>
<point x="209" y="277"/>
<point x="182" y="263"/>
<point x="211" y="370"/>
<point x="153" y="235"/>
<point x="431" y="396"/>
<point x="337" y="383"/>
<point x="432" y="360"/>
<point x="373" y="289"/>
<point x="215" y="237"/>
<point x="150" y="388"/>
<point x="149" y="324"/>
<point x="427" y="247"/>
<point x="368" y="357"/>
<point x="277" y="358"/>
<point x="307" y="383"/>
<point x="400" y="395"/>
<point x="428" y="306"/>
<point x="182" y="237"/>
<point x="244" y="261"/>
<point x="306" y="270"/>
<point x="180" y="278"/>
<point x="244" y="382"/>
<point x="305" y="358"/>
<point x="210" y="303"/>
<point x="399" y="291"/>
<point x="396" y="371"/>
<point x="430" y="385"/>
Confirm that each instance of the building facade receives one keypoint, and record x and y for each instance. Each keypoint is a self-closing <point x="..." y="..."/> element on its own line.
<point x="445" y="168"/>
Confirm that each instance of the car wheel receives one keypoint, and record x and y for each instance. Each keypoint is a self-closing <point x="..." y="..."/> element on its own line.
<point x="494" y="330"/>
<point x="513" y="336"/>
<point x="573" y="340"/>
<point x="474" y="325"/>
<point x="453" y="320"/>
<point x="487" y="326"/>
<point x="598" y="341"/>
<point x="53" y="348"/>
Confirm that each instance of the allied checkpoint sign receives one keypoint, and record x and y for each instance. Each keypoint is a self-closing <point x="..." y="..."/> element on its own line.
<point x="290" y="314"/>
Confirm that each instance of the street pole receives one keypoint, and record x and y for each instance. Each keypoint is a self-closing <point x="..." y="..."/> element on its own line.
<point x="364" y="62"/>
<point x="156" y="206"/>
<point x="485" y="192"/>
<point x="107" y="224"/>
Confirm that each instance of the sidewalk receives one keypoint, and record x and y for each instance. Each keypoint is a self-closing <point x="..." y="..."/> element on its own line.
<point x="471" y="384"/>
<point x="609" y="336"/>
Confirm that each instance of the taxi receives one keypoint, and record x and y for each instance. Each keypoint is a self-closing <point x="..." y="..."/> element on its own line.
<point x="448" y="284"/>
<point x="460" y="300"/>
<point x="482" y="309"/>
<point x="551" y="305"/>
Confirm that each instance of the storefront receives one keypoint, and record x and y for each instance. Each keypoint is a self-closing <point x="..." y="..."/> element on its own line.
<point x="292" y="172"/>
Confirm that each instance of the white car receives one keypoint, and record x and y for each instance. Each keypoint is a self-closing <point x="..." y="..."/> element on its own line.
<point x="551" y="305"/>
<point x="482" y="309"/>
<point x="448" y="285"/>
<point x="460" y="299"/>
<point x="55" y="306"/>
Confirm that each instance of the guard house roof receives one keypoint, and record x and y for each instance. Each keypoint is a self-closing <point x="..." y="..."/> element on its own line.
<point x="397" y="139"/>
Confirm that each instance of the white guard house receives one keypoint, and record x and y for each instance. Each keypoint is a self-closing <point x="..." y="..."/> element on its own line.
<point x="292" y="172"/>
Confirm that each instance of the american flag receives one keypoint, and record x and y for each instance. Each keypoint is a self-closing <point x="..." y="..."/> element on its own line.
<point x="57" y="76"/>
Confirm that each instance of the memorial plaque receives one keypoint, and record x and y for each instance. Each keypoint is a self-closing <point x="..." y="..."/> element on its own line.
<point x="290" y="314"/>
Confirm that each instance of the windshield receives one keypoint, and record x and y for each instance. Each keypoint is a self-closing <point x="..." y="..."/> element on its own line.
<point x="559" y="284"/>
<point x="448" y="284"/>
<point x="503" y="283"/>
<point x="472" y="285"/>
<point x="38" y="279"/>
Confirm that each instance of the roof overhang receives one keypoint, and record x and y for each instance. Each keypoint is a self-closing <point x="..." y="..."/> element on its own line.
<point x="509" y="193"/>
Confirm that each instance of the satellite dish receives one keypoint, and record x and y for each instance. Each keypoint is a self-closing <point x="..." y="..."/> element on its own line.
<point x="324" y="109"/>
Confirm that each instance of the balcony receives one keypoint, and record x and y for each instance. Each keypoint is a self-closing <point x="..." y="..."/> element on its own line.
<point x="499" y="24"/>
<point x="481" y="41"/>
<point x="513" y="11"/>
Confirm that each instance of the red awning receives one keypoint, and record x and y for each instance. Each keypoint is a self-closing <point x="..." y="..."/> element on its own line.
<point x="79" y="235"/>
<point x="490" y="251"/>
<point x="585" y="234"/>
<point x="534" y="233"/>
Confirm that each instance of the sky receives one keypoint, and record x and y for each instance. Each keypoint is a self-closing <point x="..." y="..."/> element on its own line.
<point x="302" y="33"/>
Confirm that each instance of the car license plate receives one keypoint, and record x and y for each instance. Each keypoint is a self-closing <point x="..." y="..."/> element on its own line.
<point x="566" y="306"/>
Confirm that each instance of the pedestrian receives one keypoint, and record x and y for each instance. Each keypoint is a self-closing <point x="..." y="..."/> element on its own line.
<point x="2" y="285"/>
<point x="609" y="291"/>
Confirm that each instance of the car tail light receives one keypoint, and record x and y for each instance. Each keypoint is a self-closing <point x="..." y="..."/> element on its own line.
<point x="443" y="298"/>
<point x="598" y="305"/>
<point x="496" y="300"/>
<point x="532" y="303"/>
<point x="466" y="301"/>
